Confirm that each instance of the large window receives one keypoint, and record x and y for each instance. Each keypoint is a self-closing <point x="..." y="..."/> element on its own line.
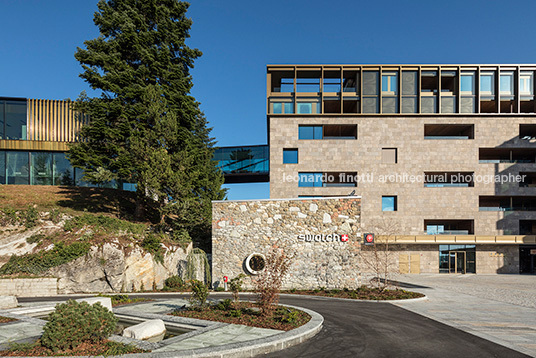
<point x="35" y="168"/>
<point x="310" y="132"/>
<point x="449" y="227"/>
<point x="457" y="259"/>
<point x="327" y="179"/>
<point x="13" y="119"/>
<point x="328" y="131"/>
<point x="17" y="168"/>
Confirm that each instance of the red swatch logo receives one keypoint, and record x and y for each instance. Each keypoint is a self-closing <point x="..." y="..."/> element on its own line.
<point x="344" y="238"/>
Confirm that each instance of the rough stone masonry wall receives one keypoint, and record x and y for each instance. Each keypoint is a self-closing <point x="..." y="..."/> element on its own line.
<point x="29" y="287"/>
<point x="240" y="228"/>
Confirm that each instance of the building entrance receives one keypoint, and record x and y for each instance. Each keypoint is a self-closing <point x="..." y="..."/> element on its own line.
<point x="527" y="259"/>
<point x="458" y="259"/>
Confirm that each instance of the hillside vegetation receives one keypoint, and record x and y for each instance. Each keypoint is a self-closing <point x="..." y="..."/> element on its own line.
<point x="46" y="226"/>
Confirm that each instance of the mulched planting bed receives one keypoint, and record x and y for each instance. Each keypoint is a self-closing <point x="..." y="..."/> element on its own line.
<point x="246" y="313"/>
<point x="104" y="347"/>
<point x="6" y="319"/>
<point x="362" y="293"/>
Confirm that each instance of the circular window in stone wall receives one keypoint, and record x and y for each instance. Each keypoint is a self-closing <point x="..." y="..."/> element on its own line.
<point x="255" y="263"/>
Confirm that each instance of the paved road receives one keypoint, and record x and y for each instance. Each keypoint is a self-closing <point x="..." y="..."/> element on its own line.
<point x="367" y="329"/>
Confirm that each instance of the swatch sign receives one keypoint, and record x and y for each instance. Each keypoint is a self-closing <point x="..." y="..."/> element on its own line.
<point x="323" y="238"/>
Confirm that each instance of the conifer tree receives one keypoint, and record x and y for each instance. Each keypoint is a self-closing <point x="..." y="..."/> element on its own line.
<point x="145" y="127"/>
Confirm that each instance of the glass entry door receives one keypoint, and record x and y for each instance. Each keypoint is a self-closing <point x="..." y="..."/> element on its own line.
<point x="457" y="262"/>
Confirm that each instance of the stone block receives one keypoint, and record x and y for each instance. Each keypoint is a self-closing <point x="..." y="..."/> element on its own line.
<point x="146" y="330"/>
<point x="104" y="301"/>
<point x="8" y="302"/>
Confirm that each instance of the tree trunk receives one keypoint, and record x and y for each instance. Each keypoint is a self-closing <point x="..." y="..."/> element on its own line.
<point x="140" y="209"/>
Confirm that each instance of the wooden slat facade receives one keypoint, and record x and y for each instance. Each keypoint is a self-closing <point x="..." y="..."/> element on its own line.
<point x="52" y="121"/>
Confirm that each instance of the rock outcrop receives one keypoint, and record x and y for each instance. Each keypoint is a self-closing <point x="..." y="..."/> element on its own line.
<point x="112" y="268"/>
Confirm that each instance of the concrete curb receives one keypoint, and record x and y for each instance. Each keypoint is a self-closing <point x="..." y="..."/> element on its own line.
<point x="250" y="348"/>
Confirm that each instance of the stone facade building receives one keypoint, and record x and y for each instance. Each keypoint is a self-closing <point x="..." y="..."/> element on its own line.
<point x="448" y="152"/>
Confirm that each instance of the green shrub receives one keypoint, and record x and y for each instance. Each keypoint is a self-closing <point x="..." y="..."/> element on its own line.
<point x="235" y="313"/>
<point x="35" y="238"/>
<point x="55" y="216"/>
<point x="9" y="216"/>
<point x="199" y="293"/>
<point x="38" y="263"/>
<point x="219" y="289"/>
<point x="152" y="244"/>
<point x="174" y="283"/>
<point x="31" y="215"/>
<point x="288" y="315"/>
<point x="235" y="285"/>
<point x="75" y="322"/>
<point x="225" y="305"/>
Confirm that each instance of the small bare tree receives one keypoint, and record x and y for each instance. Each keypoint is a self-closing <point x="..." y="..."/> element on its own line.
<point x="379" y="258"/>
<point x="268" y="283"/>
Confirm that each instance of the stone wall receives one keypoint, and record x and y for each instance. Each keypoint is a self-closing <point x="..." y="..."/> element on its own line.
<point x="491" y="259"/>
<point x="28" y="287"/>
<point x="241" y="228"/>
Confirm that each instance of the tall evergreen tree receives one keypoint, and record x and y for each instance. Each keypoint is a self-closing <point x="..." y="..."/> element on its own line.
<point x="146" y="128"/>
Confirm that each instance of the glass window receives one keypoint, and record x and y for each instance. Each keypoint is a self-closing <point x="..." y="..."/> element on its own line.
<point x="389" y="203"/>
<point x="2" y="107"/>
<point x="525" y="83"/>
<point x="487" y="83"/>
<point x="41" y="173"/>
<point x="468" y="83"/>
<point x="63" y="171"/>
<point x="507" y="83"/>
<point x="435" y="229"/>
<point x="310" y="132"/>
<point x="15" y="120"/>
<point x="290" y="156"/>
<point x="17" y="164"/>
<point x="390" y="83"/>
<point x="310" y="180"/>
<point x="2" y="167"/>
<point x="282" y="107"/>
<point x="308" y="107"/>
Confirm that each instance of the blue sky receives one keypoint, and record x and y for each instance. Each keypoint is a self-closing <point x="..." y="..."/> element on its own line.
<point x="239" y="38"/>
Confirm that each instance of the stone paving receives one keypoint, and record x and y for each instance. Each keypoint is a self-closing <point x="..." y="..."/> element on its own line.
<point x="17" y="330"/>
<point x="500" y="308"/>
<point x="231" y="333"/>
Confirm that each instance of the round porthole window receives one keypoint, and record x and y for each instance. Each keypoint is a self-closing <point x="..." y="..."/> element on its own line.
<point x="255" y="263"/>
